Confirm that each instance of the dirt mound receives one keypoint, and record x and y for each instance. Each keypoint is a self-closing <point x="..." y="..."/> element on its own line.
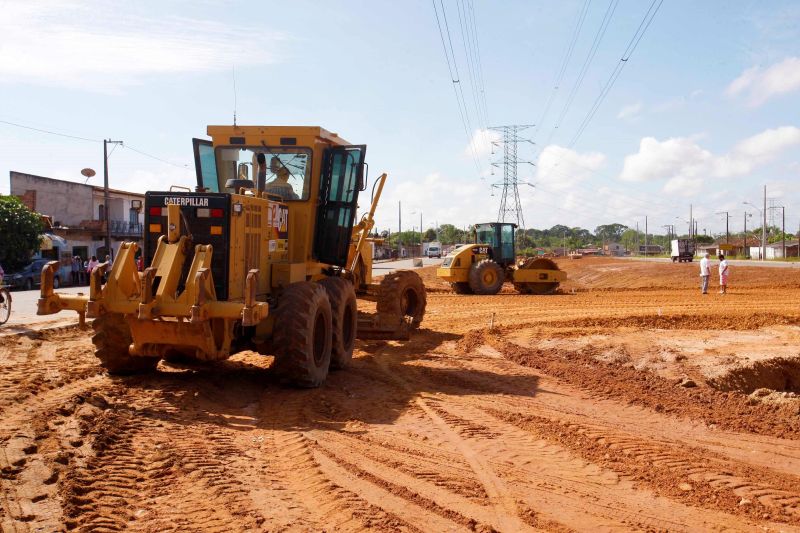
<point x="781" y="375"/>
<point x="743" y="321"/>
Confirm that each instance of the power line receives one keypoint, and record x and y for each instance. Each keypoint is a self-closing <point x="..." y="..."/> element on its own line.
<point x="632" y="45"/>
<point x="453" y="71"/>
<point x="151" y="156"/>
<point x="564" y="62"/>
<point x="479" y="62"/>
<point x="51" y="132"/>
<point x="598" y="38"/>
<point x="466" y="40"/>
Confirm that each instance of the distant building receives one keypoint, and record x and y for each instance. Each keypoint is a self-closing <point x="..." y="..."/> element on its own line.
<point x="79" y="214"/>
<point x="614" y="248"/>
<point x="650" y="249"/>
<point x="775" y="250"/>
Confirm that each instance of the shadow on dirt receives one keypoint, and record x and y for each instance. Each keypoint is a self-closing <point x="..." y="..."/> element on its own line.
<point x="383" y="382"/>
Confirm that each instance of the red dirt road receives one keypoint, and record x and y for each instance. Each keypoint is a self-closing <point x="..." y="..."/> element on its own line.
<point x="628" y="402"/>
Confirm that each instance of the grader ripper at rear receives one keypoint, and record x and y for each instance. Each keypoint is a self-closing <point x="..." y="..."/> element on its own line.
<point x="274" y="267"/>
<point x="483" y="267"/>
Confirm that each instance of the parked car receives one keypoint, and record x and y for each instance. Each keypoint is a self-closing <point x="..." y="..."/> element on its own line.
<point x="30" y="277"/>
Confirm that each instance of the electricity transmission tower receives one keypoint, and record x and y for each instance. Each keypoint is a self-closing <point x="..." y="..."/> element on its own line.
<point x="510" y="205"/>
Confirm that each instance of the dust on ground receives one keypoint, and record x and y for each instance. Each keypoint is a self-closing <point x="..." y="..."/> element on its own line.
<point x="627" y="401"/>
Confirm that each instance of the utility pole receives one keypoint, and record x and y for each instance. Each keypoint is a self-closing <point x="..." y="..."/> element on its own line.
<point x="399" y="228"/>
<point x="745" y="235"/>
<point x="106" y="197"/>
<point x="645" y="236"/>
<point x="727" y="230"/>
<point x="764" y="228"/>
<point x="510" y="204"/>
<point x="691" y="222"/>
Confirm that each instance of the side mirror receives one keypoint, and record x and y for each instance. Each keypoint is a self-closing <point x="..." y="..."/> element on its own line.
<point x="363" y="176"/>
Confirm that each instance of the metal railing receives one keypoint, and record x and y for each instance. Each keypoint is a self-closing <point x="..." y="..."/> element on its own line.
<point x="123" y="227"/>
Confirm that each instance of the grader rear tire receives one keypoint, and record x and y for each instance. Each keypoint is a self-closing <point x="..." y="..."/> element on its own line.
<point x="403" y="293"/>
<point x="111" y="339"/>
<point x="344" y="320"/>
<point x="303" y="334"/>
<point x="486" y="277"/>
<point x="461" y="287"/>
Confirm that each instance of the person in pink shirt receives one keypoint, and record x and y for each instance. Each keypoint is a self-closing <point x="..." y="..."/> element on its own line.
<point x="723" y="274"/>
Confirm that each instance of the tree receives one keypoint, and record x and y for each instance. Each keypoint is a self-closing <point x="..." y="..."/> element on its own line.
<point x="628" y="239"/>
<point x="20" y="228"/>
<point x="610" y="232"/>
<point x="430" y="234"/>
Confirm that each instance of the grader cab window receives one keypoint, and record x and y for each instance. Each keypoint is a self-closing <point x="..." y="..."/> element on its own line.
<point x="285" y="172"/>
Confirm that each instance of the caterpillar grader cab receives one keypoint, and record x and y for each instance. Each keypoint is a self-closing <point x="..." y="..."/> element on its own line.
<point x="483" y="267"/>
<point x="266" y="254"/>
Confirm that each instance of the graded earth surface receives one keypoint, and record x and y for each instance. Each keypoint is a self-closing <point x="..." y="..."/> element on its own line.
<point x="625" y="401"/>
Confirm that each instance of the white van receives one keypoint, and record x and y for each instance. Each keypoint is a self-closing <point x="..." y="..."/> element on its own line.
<point x="435" y="250"/>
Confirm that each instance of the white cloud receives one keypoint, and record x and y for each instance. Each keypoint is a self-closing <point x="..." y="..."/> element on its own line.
<point x="759" y="84"/>
<point x="481" y="143"/>
<point x="630" y="112"/>
<point x="96" y="47"/>
<point x="684" y="165"/>
<point x="560" y="168"/>
<point x="439" y="198"/>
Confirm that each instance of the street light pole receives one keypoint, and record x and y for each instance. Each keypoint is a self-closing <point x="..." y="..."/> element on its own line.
<point x="745" y="235"/>
<point x="106" y="197"/>
<point x="764" y="228"/>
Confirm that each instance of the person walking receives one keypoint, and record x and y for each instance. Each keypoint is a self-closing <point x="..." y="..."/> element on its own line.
<point x="723" y="274"/>
<point x="76" y="270"/>
<point x="93" y="262"/>
<point x="705" y="273"/>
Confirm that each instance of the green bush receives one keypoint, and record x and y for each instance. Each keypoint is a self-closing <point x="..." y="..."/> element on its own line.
<point x="19" y="233"/>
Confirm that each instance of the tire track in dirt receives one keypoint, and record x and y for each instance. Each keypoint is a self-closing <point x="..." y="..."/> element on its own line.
<point x="467" y="422"/>
<point x="572" y="404"/>
<point x="324" y="493"/>
<point x="551" y="476"/>
<point x="506" y="514"/>
<point x="581" y="369"/>
<point x="152" y="471"/>
<point x="679" y="472"/>
<point x="430" y="464"/>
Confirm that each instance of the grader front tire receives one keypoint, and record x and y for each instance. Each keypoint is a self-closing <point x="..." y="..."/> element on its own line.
<point x="402" y="293"/>
<point x="111" y="339"/>
<point x="303" y="334"/>
<point x="344" y="319"/>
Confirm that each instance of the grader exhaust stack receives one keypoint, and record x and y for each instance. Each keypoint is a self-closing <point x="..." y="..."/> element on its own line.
<point x="233" y="267"/>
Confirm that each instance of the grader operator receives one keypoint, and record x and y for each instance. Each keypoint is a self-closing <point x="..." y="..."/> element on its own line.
<point x="483" y="267"/>
<point x="275" y="268"/>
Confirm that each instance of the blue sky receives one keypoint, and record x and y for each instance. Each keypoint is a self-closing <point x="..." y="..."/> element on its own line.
<point x="705" y="112"/>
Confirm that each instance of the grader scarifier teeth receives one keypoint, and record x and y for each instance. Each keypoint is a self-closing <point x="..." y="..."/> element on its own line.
<point x="401" y="303"/>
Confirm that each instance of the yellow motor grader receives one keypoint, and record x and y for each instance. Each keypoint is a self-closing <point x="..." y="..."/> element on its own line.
<point x="483" y="267"/>
<point x="266" y="254"/>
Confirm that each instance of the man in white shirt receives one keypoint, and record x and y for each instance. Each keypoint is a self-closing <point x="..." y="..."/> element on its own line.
<point x="705" y="272"/>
